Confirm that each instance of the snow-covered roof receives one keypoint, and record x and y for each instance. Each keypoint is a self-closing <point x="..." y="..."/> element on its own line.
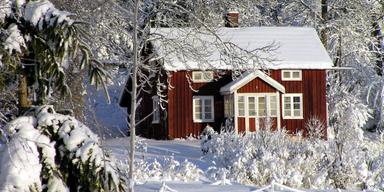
<point x="297" y="47"/>
<point x="248" y="77"/>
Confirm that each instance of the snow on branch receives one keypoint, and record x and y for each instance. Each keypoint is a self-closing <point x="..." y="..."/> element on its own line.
<point x="54" y="152"/>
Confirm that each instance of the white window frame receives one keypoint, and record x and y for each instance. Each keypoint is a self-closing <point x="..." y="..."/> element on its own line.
<point x="156" y="109"/>
<point x="228" y="106"/>
<point x="269" y="106"/>
<point x="291" y="96"/>
<point x="243" y="104"/>
<point x="267" y="97"/>
<point x="203" y="74"/>
<point x="203" y="99"/>
<point x="291" y="78"/>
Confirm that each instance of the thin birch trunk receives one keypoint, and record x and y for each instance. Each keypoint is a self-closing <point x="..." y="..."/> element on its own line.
<point x="132" y="118"/>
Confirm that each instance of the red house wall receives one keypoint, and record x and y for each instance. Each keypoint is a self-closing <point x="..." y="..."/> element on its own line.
<point x="313" y="86"/>
<point x="180" y="119"/>
<point x="177" y="120"/>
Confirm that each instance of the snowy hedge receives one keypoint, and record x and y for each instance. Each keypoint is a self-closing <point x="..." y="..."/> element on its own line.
<point x="48" y="151"/>
<point x="265" y="156"/>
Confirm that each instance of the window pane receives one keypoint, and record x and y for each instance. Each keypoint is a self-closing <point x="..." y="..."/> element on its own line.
<point x="208" y="75"/>
<point x="273" y="112"/>
<point x="261" y="106"/>
<point x="287" y="106"/>
<point x="273" y="105"/>
<point x="286" y="74"/>
<point x="208" y="115"/>
<point x="296" y="75"/>
<point x="287" y="112"/>
<point x="296" y="113"/>
<point x="208" y="105"/>
<point x="251" y="106"/>
<point x="241" y="98"/>
<point x="196" y="76"/>
<point x="273" y="99"/>
<point x="296" y="99"/>
<point x="208" y="109"/>
<point x="226" y="106"/>
<point x="241" y="112"/>
<point x="198" y="106"/>
<point x="197" y="102"/>
<point x="296" y="106"/>
<point x="198" y="115"/>
<point x="241" y="105"/>
<point x="230" y="105"/>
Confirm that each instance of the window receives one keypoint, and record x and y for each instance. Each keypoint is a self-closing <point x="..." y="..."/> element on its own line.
<point x="241" y="106"/>
<point x="228" y="105"/>
<point x="203" y="110"/>
<point x="156" y="109"/>
<point x="251" y="106"/>
<point x="291" y="75"/>
<point x="257" y="106"/>
<point x="293" y="106"/>
<point x="273" y="106"/>
<point x="202" y="76"/>
<point x="261" y="106"/>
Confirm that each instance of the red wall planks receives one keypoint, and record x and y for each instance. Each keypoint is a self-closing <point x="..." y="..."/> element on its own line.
<point x="180" y="117"/>
<point x="178" y="120"/>
<point x="257" y="86"/>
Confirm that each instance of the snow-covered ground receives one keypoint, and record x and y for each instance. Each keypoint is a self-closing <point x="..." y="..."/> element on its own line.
<point x="180" y="150"/>
<point x="158" y="149"/>
<point x="166" y="153"/>
<point x="193" y="187"/>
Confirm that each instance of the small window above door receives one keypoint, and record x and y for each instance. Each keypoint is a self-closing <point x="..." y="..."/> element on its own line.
<point x="291" y="75"/>
<point x="202" y="76"/>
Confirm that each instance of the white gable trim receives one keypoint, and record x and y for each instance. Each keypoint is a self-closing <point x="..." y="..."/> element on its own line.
<point x="248" y="77"/>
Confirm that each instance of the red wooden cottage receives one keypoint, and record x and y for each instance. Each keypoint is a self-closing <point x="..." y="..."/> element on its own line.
<point x="290" y="90"/>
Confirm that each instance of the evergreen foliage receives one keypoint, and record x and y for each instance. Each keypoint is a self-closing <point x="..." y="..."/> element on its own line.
<point x="41" y="41"/>
<point x="67" y="156"/>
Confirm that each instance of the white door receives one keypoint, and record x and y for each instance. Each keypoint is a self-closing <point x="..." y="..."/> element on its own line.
<point x="255" y="108"/>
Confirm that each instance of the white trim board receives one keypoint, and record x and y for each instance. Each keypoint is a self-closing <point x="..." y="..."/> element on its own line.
<point x="248" y="77"/>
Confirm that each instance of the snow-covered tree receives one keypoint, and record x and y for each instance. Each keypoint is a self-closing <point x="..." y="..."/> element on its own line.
<point x="47" y="151"/>
<point x="38" y="42"/>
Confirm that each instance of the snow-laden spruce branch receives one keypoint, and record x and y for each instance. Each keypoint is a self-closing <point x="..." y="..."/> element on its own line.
<point x="49" y="151"/>
<point x="45" y="40"/>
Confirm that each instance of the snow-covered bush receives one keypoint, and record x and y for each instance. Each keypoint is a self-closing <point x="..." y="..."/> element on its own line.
<point x="315" y="128"/>
<point x="48" y="151"/>
<point x="168" y="169"/>
<point x="206" y="135"/>
<point x="265" y="156"/>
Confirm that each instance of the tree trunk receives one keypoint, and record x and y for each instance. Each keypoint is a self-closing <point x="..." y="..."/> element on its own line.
<point x="324" y="30"/>
<point x="24" y="102"/>
<point x="132" y="119"/>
